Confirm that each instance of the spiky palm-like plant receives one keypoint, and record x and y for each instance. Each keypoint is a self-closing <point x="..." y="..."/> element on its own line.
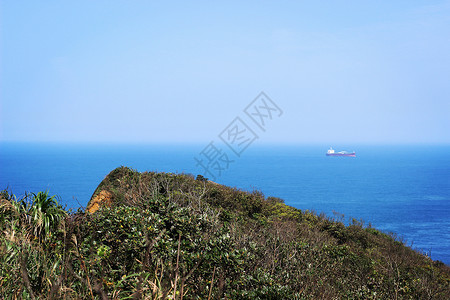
<point x="44" y="214"/>
<point x="38" y="214"/>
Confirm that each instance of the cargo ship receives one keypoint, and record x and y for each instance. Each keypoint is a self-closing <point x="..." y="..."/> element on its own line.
<point x="331" y="152"/>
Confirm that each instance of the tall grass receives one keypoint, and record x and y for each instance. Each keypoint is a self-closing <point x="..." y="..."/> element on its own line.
<point x="169" y="236"/>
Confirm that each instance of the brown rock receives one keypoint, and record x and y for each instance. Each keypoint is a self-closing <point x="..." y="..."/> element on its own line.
<point x="104" y="198"/>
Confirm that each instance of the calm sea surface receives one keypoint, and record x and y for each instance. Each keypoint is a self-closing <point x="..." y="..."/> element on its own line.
<point x="400" y="189"/>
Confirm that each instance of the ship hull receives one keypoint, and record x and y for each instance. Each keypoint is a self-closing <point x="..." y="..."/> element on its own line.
<point x="341" y="154"/>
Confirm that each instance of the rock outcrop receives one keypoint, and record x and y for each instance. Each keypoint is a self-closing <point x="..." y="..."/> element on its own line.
<point x="104" y="198"/>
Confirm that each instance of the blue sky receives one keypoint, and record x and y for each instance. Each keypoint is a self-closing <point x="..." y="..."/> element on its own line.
<point x="177" y="71"/>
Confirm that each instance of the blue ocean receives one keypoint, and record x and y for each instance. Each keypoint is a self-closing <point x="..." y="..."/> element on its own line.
<point x="399" y="189"/>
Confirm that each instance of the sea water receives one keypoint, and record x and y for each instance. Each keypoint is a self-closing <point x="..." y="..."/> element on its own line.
<point x="400" y="189"/>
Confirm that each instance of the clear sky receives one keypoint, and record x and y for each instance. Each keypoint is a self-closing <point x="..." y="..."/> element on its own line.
<point x="181" y="71"/>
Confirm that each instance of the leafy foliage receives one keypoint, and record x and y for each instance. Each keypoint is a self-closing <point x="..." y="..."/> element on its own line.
<point x="173" y="236"/>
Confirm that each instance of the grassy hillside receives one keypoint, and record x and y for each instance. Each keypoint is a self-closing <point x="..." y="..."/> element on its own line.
<point x="162" y="235"/>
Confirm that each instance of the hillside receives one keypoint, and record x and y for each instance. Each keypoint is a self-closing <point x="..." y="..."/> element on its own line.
<point x="162" y="235"/>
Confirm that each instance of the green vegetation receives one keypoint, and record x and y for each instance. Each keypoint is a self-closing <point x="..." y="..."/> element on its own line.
<point x="172" y="236"/>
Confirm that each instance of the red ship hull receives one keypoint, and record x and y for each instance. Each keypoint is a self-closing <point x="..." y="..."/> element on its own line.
<point x="342" y="154"/>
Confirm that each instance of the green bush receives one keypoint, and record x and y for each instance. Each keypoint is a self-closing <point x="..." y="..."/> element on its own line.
<point x="170" y="236"/>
